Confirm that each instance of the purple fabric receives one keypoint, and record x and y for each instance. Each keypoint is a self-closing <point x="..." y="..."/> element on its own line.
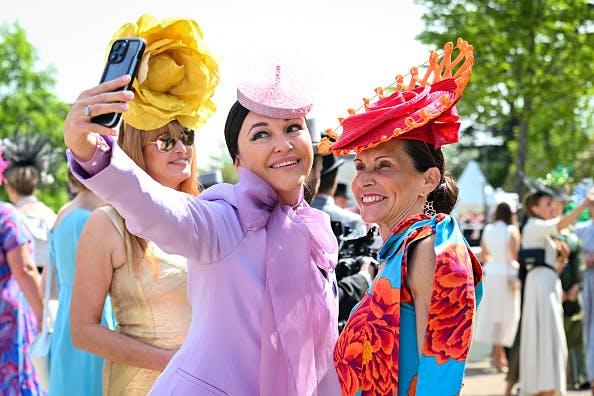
<point x="98" y="161"/>
<point x="264" y="317"/>
<point x="298" y="327"/>
<point x="18" y="323"/>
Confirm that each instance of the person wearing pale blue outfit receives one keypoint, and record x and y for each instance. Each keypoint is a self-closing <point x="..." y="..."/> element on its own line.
<point x="72" y="371"/>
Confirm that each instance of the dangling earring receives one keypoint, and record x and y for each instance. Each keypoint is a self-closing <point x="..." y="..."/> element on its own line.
<point x="428" y="209"/>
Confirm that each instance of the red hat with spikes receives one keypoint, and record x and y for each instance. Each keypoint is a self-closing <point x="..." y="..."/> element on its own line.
<point x="424" y="109"/>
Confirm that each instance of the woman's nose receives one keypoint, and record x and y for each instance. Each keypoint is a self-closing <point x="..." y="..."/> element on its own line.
<point x="365" y="179"/>
<point x="282" y="144"/>
<point x="179" y="147"/>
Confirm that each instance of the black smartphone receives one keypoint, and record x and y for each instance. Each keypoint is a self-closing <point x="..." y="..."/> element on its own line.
<point x="124" y="58"/>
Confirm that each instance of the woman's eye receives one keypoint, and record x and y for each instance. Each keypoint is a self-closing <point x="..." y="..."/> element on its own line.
<point x="359" y="168"/>
<point x="384" y="165"/>
<point x="294" y="128"/>
<point x="259" y="135"/>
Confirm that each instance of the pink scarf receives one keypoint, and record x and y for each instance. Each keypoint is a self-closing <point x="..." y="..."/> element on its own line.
<point x="299" y="326"/>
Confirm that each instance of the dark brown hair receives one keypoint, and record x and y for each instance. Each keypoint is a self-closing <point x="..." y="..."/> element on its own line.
<point x="504" y="213"/>
<point x="424" y="157"/>
<point x="75" y="184"/>
<point x="22" y="179"/>
<point x="235" y="118"/>
<point x="533" y="199"/>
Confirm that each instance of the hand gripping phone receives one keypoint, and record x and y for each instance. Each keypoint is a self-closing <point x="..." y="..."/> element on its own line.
<point x="124" y="58"/>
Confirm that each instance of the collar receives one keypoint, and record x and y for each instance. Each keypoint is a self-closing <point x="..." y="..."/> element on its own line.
<point x="393" y="242"/>
<point x="253" y="198"/>
<point x="25" y="200"/>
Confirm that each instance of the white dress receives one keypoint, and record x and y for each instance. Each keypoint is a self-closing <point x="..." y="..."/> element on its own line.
<point x="499" y="312"/>
<point x="543" y="348"/>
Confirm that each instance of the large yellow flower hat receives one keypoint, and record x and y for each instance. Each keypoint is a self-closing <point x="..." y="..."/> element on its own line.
<point x="176" y="78"/>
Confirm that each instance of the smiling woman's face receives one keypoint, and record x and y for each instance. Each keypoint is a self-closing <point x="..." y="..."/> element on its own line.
<point x="278" y="151"/>
<point x="171" y="167"/>
<point x="387" y="187"/>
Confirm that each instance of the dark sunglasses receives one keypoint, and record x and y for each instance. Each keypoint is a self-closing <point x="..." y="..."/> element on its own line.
<point x="166" y="143"/>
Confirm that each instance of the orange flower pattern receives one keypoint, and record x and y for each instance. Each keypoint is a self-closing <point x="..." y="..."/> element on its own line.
<point x="366" y="355"/>
<point x="367" y="352"/>
<point x="451" y="313"/>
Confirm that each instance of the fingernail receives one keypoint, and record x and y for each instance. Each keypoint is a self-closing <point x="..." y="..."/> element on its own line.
<point x="126" y="77"/>
<point x="125" y="106"/>
<point x="129" y="95"/>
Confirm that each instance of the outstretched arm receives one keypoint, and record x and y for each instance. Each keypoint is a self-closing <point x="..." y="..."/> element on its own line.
<point x="177" y="222"/>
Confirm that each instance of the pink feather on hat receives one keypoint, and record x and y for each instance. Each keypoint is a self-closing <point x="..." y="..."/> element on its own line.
<point x="3" y="166"/>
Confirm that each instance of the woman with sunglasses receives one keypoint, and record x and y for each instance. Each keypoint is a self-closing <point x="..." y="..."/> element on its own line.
<point x="147" y="284"/>
<point x="261" y="262"/>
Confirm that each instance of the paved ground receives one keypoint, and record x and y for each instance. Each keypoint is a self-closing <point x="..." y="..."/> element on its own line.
<point x="483" y="380"/>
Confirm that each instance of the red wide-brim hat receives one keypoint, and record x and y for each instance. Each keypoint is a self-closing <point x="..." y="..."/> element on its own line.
<point x="424" y="109"/>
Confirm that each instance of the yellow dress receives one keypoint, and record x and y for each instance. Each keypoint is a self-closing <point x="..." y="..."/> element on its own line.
<point x="149" y="307"/>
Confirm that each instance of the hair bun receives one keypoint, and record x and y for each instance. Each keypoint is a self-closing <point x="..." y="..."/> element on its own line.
<point x="445" y="196"/>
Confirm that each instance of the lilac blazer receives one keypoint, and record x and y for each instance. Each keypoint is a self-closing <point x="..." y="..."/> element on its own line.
<point x="223" y="237"/>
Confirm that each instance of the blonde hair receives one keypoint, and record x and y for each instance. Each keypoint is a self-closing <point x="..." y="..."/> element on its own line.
<point x="131" y="140"/>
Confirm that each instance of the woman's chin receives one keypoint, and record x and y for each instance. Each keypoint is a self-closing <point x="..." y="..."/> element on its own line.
<point x="372" y="213"/>
<point x="287" y="184"/>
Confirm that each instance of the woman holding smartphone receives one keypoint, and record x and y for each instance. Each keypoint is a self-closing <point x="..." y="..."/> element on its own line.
<point x="147" y="284"/>
<point x="543" y="347"/>
<point x="260" y="261"/>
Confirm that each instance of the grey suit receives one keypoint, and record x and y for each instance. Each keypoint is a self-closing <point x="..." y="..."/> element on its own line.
<point x="347" y="218"/>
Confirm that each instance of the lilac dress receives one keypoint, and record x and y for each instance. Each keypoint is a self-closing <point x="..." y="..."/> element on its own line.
<point x="17" y="321"/>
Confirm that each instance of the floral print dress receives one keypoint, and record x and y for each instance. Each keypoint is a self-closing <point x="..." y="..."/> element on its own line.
<point x="377" y="353"/>
<point x="17" y="321"/>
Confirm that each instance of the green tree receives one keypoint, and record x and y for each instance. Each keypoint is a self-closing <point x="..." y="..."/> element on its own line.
<point x="532" y="82"/>
<point x="28" y="104"/>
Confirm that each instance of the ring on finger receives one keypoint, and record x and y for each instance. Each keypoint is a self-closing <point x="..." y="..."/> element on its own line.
<point x="87" y="111"/>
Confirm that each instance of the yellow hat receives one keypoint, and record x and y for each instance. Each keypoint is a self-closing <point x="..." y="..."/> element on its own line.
<point x="176" y="78"/>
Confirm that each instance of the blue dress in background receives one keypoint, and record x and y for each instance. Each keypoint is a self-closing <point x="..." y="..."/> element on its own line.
<point x="72" y="371"/>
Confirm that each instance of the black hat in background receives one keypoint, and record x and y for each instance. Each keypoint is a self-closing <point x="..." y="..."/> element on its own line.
<point x="329" y="163"/>
<point x="341" y="190"/>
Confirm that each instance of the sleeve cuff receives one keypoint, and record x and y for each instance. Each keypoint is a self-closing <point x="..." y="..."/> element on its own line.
<point x="367" y="276"/>
<point x="99" y="161"/>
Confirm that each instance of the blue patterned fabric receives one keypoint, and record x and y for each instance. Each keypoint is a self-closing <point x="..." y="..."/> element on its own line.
<point x="18" y="324"/>
<point x="377" y="352"/>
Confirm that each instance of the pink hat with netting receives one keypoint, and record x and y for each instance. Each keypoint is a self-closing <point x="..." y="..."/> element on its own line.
<point x="278" y="92"/>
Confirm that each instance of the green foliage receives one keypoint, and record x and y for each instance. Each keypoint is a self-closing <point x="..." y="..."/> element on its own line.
<point x="28" y="104"/>
<point x="532" y="79"/>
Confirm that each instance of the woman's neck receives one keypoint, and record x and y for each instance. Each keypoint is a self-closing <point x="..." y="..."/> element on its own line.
<point x="88" y="200"/>
<point x="388" y="227"/>
<point x="290" y="198"/>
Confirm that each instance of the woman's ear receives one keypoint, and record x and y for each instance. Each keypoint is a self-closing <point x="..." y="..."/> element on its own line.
<point x="431" y="179"/>
<point x="237" y="161"/>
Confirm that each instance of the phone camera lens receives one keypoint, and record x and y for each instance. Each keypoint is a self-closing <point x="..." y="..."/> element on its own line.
<point x="124" y="44"/>
<point x="113" y="56"/>
<point x="117" y="45"/>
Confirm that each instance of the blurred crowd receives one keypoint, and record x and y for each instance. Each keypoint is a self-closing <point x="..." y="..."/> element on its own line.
<point x="537" y="311"/>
